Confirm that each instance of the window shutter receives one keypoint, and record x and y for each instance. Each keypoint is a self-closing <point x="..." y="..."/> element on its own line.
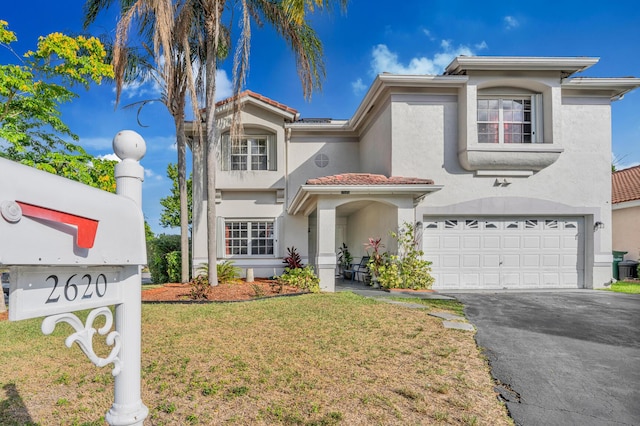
<point x="278" y="235"/>
<point x="272" y="148"/>
<point x="536" y="118"/>
<point x="220" y="237"/>
<point x="225" y="158"/>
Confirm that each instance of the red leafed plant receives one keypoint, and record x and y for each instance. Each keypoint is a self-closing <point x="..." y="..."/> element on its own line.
<point x="293" y="260"/>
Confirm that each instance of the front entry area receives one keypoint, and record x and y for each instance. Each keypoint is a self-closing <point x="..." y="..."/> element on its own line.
<point x="505" y="253"/>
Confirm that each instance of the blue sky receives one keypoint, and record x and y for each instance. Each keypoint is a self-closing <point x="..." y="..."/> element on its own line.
<point x="411" y="36"/>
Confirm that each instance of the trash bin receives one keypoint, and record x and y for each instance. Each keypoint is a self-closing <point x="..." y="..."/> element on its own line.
<point x="628" y="269"/>
<point x="618" y="256"/>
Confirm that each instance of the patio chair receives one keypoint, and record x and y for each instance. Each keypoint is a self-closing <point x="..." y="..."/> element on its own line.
<point x="359" y="268"/>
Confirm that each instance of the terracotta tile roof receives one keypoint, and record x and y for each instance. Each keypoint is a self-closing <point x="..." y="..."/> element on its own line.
<point x="259" y="97"/>
<point x="367" y="179"/>
<point x="625" y="185"/>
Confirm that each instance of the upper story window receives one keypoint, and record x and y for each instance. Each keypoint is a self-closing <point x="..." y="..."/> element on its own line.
<point x="508" y="119"/>
<point x="251" y="152"/>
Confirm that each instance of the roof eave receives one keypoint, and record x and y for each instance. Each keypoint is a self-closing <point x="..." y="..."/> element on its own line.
<point x="306" y="193"/>
<point x="569" y="65"/>
<point x="618" y="87"/>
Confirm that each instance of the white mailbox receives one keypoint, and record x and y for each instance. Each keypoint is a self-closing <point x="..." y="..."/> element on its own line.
<point x="66" y="243"/>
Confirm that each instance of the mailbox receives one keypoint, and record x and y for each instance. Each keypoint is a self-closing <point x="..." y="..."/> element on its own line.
<point x="68" y="246"/>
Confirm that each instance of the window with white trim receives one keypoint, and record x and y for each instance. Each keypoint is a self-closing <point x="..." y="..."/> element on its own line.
<point x="509" y="119"/>
<point x="251" y="152"/>
<point x="249" y="238"/>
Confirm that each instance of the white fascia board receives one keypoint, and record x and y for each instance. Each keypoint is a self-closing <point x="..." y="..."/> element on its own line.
<point x="617" y="86"/>
<point x="342" y="125"/>
<point x="520" y="63"/>
<point x="305" y="192"/>
<point x="287" y="115"/>
<point x="626" y="205"/>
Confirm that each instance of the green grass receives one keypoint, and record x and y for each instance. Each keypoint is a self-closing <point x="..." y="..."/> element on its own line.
<point x="625" y="287"/>
<point x="318" y="359"/>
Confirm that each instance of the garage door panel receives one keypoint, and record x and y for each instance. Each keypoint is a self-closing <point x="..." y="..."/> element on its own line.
<point x="511" y="242"/>
<point x="550" y="261"/>
<point x="450" y="261"/>
<point x="511" y="261"/>
<point x="530" y="260"/>
<point x="471" y="261"/>
<point x="551" y="242"/>
<point x="569" y="260"/>
<point x="491" y="260"/>
<point x="472" y="242"/>
<point x="449" y="242"/>
<point x="431" y="243"/>
<point x="475" y="252"/>
<point x="531" y="242"/>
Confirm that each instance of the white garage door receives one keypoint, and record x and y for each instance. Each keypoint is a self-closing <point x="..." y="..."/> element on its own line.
<point x="506" y="253"/>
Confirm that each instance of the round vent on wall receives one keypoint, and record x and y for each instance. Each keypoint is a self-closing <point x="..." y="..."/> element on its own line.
<point x="322" y="160"/>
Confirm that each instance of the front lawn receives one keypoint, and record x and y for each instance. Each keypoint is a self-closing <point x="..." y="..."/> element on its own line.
<point x="318" y="359"/>
<point x="625" y="287"/>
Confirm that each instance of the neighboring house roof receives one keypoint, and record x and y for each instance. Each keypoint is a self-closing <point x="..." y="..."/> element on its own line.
<point x="367" y="179"/>
<point x="625" y="185"/>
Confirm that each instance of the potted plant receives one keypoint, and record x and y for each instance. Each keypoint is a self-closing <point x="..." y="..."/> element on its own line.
<point x="344" y="261"/>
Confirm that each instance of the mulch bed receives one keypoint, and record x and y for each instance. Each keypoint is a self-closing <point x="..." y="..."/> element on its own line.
<point x="230" y="292"/>
<point x="237" y="291"/>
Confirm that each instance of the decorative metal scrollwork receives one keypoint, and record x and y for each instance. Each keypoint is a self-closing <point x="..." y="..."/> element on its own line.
<point x="84" y="335"/>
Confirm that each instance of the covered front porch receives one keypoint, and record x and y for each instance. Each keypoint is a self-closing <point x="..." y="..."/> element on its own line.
<point x="352" y="208"/>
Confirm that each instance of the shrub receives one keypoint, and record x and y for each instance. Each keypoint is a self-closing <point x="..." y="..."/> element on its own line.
<point x="200" y="288"/>
<point x="227" y="271"/>
<point x="158" y="248"/>
<point x="293" y="260"/>
<point x="302" y="278"/>
<point x="407" y="269"/>
<point x="174" y="266"/>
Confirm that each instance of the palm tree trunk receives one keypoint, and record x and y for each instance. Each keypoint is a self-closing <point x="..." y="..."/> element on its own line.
<point x="211" y="137"/>
<point x="182" y="188"/>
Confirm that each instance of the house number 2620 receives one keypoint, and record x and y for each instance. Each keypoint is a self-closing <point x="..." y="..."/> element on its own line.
<point x="74" y="286"/>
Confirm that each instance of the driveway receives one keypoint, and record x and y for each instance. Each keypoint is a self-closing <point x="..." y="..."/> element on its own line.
<point x="562" y="358"/>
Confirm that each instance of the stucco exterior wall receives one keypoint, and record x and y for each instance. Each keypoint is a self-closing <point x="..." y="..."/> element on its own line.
<point x="375" y="144"/>
<point x="626" y="231"/>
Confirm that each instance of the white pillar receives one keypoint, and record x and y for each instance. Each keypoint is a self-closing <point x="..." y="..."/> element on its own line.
<point x="127" y="408"/>
<point x="326" y="246"/>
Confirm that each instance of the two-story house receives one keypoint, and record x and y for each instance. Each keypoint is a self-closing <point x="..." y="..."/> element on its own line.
<point x="502" y="163"/>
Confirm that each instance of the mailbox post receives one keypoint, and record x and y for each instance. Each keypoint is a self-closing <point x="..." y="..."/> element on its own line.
<point x="128" y="408"/>
<point x="75" y="247"/>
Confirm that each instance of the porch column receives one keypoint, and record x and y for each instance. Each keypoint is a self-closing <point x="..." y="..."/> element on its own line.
<point x="406" y="213"/>
<point x="326" y="245"/>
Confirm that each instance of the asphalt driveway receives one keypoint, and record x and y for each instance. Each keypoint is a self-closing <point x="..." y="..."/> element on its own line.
<point x="562" y="358"/>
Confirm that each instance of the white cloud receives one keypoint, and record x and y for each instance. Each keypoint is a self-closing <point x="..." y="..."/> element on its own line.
<point x="482" y="45"/>
<point x="112" y="157"/>
<point x="224" y="87"/>
<point x="384" y="60"/>
<point x="358" y="87"/>
<point x="151" y="175"/>
<point x="510" y="22"/>
<point x="428" y="34"/>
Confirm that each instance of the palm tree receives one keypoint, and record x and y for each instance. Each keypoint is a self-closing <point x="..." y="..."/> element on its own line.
<point x="139" y="65"/>
<point x="288" y="17"/>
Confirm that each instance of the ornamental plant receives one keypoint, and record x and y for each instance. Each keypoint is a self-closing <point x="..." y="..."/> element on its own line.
<point x="302" y="278"/>
<point x="406" y="269"/>
<point x="293" y="259"/>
